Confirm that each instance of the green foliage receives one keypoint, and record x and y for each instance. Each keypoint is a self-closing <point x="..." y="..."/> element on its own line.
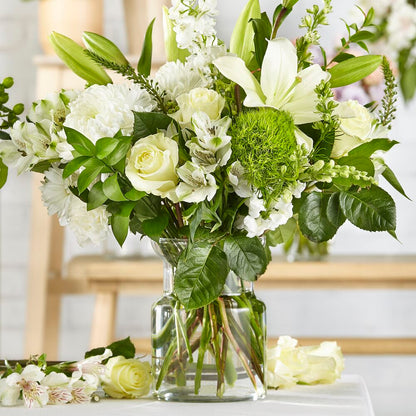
<point x="353" y="70"/>
<point x="389" y="100"/>
<point x="371" y="209"/>
<point x="264" y="142"/>
<point x="96" y="196"/>
<point x="122" y="347"/>
<point x="146" y="124"/>
<point x="282" y="233"/>
<point x="313" y="219"/>
<point x="246" y="257"/>
<point x="111" y="189"/>
<point x="368" y="149"/>
<point x="3" y="173"/>
<point x="120" y="219"/>
<point x="79" y="142"/>
<point x="391" y="178"/>
<point x="93" y="167"/>
<point x="8" y="115"/>
<point x="145" y="62"/>
<point x="262" y="33"/>
<point x="200" y="275"/>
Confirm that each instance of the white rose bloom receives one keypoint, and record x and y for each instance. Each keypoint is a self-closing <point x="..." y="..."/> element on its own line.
<point x="88" y="226"/>
<point x="199" y="99"/>
<point x="357" y="126"/>
<point x="56" y="194"/>
<point x="103" y="110"/>
<point x="177" y="78"/>
<point x="151" y="165"/>
<point x="196" y="186"/>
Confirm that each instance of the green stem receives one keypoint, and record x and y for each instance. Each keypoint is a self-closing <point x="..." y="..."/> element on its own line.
<point x="280" y="18"/>
<point x="205" y="336"/>
<point x="216" y="349"/>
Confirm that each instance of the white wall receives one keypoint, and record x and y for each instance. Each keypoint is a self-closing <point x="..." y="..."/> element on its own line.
<point x="299" y="313"/>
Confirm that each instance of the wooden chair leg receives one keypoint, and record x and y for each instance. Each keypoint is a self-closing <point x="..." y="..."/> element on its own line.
<point x="103" y="323"/>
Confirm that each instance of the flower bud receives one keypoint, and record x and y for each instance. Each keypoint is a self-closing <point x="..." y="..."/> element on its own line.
<point x="8" y="82"/>
<point x="74" y="56"/>
<point x="103" y="47"/>
<point x="18" y="109"/>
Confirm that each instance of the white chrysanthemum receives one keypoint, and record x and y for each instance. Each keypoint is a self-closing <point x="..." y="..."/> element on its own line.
<point x="177" y="78"/>
<point x="103" y="110"/>
<point x="56" y="194"/>
<point x="88" y="226"/>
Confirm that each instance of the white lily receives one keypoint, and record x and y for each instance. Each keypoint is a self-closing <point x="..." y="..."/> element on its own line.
<point x="281" y="85"/>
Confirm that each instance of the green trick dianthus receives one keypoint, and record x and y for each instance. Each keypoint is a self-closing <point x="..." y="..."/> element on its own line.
<point x="264" y="142"/>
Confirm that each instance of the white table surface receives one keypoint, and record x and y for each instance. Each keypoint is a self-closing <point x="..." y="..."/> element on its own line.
<point x="347" y="397"/>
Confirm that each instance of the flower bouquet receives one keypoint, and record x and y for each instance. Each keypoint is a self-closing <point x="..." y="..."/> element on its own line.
<point x="214" y="157"/>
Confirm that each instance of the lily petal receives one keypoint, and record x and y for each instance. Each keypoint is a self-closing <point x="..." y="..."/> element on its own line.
<point x="235" y="69"/>
<point x="302" y="138"/>
<point x="278" y="71"/>
<point x="303" y="100"/>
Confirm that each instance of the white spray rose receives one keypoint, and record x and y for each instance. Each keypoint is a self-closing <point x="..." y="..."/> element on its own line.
<point x="151" y="165"/>
<point x="357" y="126"/>
<point x="199" y="99"/>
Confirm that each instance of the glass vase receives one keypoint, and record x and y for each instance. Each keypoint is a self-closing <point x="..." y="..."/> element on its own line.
<point x="213" y="353"/>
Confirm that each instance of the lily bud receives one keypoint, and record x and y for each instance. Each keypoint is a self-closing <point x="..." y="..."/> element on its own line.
<point x="242" y="38"/>
<point x="103" y="47"/>
<point x="288" y="4"/>
<point x="173" y="53"/>
<point x="74" y="56"/>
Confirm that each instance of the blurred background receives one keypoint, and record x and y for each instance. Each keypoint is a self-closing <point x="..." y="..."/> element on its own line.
<point x="324" y="313"/>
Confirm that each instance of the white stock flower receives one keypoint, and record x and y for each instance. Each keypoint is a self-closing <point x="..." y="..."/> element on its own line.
<point x="281" y="85"/>
<point x="88" y="226"/>
<point x="103" y="110"/>
<point x="212" y="146"/>
<point x="151" y="165"/>
<point x="288" y="364"/>
<point x="199" y="99"/>
<point x="196" y="185"/>
<point x="401" y="25"/>
<point x="357" y="126"/>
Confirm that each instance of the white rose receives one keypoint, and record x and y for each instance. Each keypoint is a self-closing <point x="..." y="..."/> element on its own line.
<point x="199" y="99"/>
<point x="151" y="165"/>
<point x="356" y="125"/>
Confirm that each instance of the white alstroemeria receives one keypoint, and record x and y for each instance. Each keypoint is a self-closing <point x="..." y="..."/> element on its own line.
<point x="212" y="146"/>
<point x="9" y="153"/>
<point x="238" y="181"/>
<point x="34" y="394"/>
<point x="81" y="391"/>
<point x="379" y="164"/>
<point x="281" y="85"/>
<point x="9" y="395"/>
<point x="196" y="185"/>
<point x="59" y="388"/>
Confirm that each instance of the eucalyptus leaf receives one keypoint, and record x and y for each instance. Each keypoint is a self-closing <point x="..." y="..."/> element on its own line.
<point x="370" y="209"/>
<point x="200" y="275"/>
<point x="313" y="221"/>
<point x="246" y="256"/>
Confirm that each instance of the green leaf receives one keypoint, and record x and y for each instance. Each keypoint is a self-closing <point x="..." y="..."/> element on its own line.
<point x="353" y="70"/>
<point x="262" y="32"/>
<point x="146" y="124"/>
<point x="246" y="257"/>
<point x="105" y="146"/>
<point x="155" y="227"/>
<point x="313" y="221"/>
<point x="79" y="142"/>
<point x="370" y="209"/>
<point x="361" y="163"/>
<point x="120" y="219"/>
<point x="134" y="195"/>
<point x="282" y="233"/>
<point x="408" y="81"/>
<point x="242" y="38"/>
<point x="74" y="56"/>
<point x="112" y="190"/>
<point x="195" y="221"/>
<point x="393" y="181"/>
<point x="119" y="152"/>
<point x="343" y="57"/>
<point x="200" y="275"/>
<point x="96" y="196"/>
<point x="44" y="165"/>
<point x="4" y="135"/>
<point x="145" y="62"/>
<point x="93" y="168"/>
<point x="362" y="35"/>
<point x="123" y="347"/>
<point x="334" y="212"/>
<point x="74" y="165"/>
<point x="3" y="173"/>
<point x="367" y="149"/>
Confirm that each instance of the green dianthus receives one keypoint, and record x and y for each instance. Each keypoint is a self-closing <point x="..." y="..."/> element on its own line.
<point x="264" y="142"/>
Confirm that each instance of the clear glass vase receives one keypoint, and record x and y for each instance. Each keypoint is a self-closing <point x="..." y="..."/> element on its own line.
<point x="214" y="353"/>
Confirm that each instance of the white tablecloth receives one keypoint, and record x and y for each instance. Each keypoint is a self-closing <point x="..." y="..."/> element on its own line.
<point x="347" y="397"/>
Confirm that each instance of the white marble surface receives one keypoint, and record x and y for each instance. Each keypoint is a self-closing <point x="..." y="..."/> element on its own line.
<point x="347" y="397"/>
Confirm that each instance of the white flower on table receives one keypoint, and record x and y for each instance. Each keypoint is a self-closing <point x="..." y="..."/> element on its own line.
<point x="26" y="383"/>
<point x="59" y="389"/>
